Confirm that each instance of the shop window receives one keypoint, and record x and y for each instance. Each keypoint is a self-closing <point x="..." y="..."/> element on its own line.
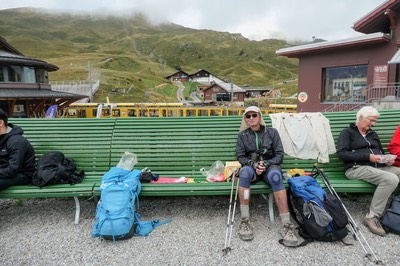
<point x="42" y="76"/>
<point x="14" y="73"/>
<point x="344" y="84"/>
<point x="1" y="74"/>
<point x="29" y="75"/>
<point x="19" y="111"/>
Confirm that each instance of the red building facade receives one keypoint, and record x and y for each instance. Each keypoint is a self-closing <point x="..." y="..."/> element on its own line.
<point x="352" y="72"/>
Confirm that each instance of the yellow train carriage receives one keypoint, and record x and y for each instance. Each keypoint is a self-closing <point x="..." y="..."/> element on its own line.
<point x="90" y="110"/>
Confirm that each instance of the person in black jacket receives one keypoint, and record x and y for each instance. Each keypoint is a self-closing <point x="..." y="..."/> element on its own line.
<point x="17" y="156"/>
<point x="359" y="147"/>
<point x="260" y="152"/>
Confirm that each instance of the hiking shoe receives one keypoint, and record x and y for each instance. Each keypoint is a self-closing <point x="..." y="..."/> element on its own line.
<point x="374" y="225"/>
<point x="289" y="237"/>
<point x="245" y="230"/>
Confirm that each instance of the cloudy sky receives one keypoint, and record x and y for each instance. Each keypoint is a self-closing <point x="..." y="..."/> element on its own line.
<point x="254" y="19"/>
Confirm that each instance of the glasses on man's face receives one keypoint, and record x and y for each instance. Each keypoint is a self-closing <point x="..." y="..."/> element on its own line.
<point x="371" y="120"/>
<point x="248" y="116"/>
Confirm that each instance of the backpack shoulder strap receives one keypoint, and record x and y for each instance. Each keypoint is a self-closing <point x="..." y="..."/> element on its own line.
<point x="305" y="236"/>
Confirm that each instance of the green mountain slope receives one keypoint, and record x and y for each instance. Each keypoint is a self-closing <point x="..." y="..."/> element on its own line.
<point x="132" y="57"/>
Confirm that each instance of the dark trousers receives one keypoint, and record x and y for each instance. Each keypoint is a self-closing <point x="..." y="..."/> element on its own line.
<point x="20" y="179"/>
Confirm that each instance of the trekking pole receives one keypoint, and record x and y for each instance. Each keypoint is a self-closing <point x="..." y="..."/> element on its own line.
<point x="231" y="215"/>
<point x="353" y="225"/>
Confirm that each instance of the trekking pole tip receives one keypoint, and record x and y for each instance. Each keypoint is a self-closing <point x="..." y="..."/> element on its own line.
<point x="226" y="250"/>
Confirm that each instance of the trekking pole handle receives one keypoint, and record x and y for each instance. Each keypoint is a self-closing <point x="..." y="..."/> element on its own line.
<point x="318" y="169"/>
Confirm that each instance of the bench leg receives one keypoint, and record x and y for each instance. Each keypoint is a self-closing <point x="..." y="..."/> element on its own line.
<point x="77" y="210"/>
<point x="270" y="206"/>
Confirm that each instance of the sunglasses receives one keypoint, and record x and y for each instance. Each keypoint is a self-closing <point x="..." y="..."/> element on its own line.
<point x="252" y="115"/>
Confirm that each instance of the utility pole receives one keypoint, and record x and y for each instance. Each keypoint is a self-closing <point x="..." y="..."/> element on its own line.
<point x="231" y="91"/>
<point x="90" y="82"/>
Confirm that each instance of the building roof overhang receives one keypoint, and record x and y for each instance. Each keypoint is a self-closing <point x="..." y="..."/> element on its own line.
<point x="378" y="20"/>
<point x="15" y="93"/>
<point x="17" y="59"/>
<point x="368" y="39"/>
<point x="395" y="58"/>
<point x="227" y="87"/>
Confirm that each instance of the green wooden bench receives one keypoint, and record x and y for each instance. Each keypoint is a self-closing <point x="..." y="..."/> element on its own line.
<point x="170" y="147"/>
<point x="87" y="141"/>
<point x="175" y="147"/>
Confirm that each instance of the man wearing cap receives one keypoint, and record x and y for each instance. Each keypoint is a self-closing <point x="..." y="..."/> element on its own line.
<point x="17" y="156"/>
<point x="259" y="150"/>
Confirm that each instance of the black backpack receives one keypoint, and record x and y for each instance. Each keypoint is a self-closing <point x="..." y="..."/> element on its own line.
<point x="55" y="168"/>
<point x="391" y="217"/>
<point x="305" y="196"/>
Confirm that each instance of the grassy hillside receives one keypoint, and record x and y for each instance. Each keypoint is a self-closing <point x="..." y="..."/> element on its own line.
<point x="131" y="57"/>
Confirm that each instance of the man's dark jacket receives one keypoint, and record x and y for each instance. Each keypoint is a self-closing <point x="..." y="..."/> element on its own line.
<point x="17" y="155"/>
<point x="270" y="148"/>
<point x="353" y="149"/>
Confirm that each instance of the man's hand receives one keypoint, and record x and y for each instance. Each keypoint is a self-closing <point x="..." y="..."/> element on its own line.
<point x="374" y="158"/>
<point x="260" y="168"/>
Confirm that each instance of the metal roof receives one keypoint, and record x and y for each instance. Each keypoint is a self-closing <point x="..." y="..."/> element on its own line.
<point x="12" y="58"/>
<point x="349" y="42"/>
<point x="379" y="19"/>
<point x="37" y="94"/>
<point x="227" y="87"/>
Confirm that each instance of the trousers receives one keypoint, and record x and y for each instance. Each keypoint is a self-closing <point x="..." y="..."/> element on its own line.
<point x="272" y="176"/>
<point x="20" y="179"/>
<point x="385" y="178"/>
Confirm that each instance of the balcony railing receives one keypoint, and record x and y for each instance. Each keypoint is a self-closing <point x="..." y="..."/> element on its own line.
<point x="373" y="93"/>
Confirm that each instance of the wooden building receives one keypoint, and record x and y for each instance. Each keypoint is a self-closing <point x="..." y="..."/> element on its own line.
<point x="204" y="77"/>
<point x="222" y="92"/>
<point x="24" y="84"/>
<point x="180" y="75"/>
<point x="349" y="73"/>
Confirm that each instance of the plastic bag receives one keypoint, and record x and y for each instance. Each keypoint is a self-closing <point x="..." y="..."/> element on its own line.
<point x="127" y="161"/>
<point x="215" y="173"/>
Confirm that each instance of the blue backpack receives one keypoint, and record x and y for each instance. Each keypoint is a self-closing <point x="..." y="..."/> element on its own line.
<point x="116" y="213"/>
<point x="307" y="188"/>
<point x="320" y="215"/>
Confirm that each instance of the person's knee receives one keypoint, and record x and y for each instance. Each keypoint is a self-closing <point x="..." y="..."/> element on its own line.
<point x="246" y="174"/>
<point x="392" y="180"/>
<point x="275" y="179"/>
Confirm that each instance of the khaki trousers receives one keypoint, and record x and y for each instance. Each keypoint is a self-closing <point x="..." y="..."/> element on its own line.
<point x="385" y="178"/>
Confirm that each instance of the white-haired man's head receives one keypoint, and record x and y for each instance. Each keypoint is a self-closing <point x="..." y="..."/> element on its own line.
<point x="366" y="112"/>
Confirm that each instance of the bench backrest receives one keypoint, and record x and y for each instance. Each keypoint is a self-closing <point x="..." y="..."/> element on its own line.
<point x="175" y="146"/>
<point x="87" y="141"/>
<point x="178" y="146"/>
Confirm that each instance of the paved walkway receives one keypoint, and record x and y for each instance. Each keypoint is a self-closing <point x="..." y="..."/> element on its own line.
<point x="42" y="232"/>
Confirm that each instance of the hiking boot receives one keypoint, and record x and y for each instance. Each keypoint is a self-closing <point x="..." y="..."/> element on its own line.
<point x="289" y="237"/>
<point x="245" y="230"/>
<point x="374" y="225"/>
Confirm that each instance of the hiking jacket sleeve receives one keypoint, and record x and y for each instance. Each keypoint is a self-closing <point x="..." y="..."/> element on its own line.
<point x="269" y="147"/>
<point x="15" y="149"/>
<point x="394" y="146"/>
<point x="354" y="149"/>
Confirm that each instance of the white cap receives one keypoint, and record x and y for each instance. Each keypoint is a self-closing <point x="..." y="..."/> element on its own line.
<point x="244" y="124"/>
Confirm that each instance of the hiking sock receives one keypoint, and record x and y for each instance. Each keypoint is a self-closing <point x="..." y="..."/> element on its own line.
<point x="244" y="211"/>
<point x="371" y="214"/>
<point x="285" y="217"/>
